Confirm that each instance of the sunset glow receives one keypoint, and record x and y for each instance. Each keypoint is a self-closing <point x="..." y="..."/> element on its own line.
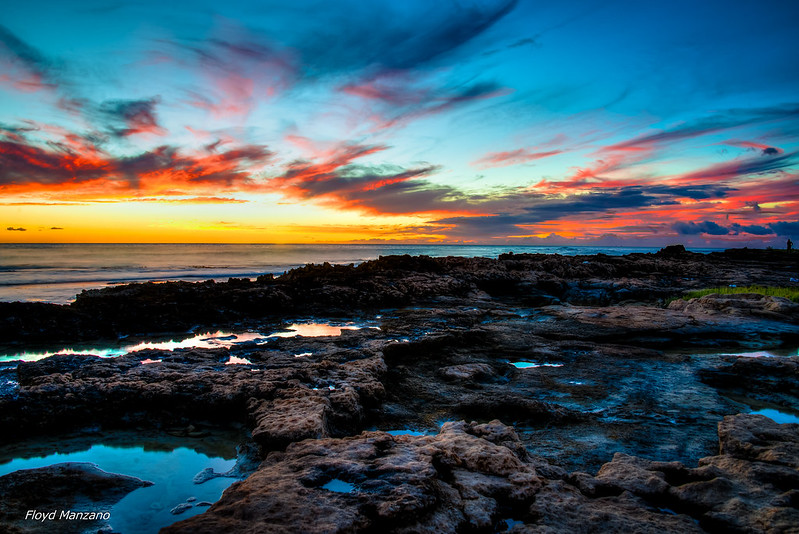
<point x="470" y="122"/>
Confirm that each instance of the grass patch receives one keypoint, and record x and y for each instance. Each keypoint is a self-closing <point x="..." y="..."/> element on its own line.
<point x="791" y="293"/>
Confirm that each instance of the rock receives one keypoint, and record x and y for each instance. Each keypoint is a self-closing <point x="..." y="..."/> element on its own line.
<point x="73" y="486"/>
<point x="387" y="282"/>
<point x="299" y="415"/>
<point x="771" y="380"/>
<point x="672" y="250"/>
<point x="741" y="305"/>
<point x="464" y="477"/>
<point x="205" y="475"/>
<point x="467" y="372"/>
<point x="60" y="392"/>
<point x="749" y="486"/>
<point x="759" y="439"/>
<point x="180" y="508"/>
<point x="560" y="507"/>
<point x="444" y="483"/>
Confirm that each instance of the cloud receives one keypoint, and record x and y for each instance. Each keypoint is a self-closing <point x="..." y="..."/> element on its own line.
<point x="56" y="228"/>
<point x="704" y="227"/>
<point x="724" y="120"/>
<point x="694" y="192"/>
<point x="20" y="229"/>
<point x="785" y="228"/>
<point x="25" y="165"/>
<point x="29" y="69"/>
<point x="744" y="167"/>
<point x="386" y="38"/>
<point x="22" y="163"/>
<point x="393" y="98"/>
<point x="241" y="69"/>
<point x="753" y="229"/>
<point x="513" y="157"/>
<point x="765" y="150"/>
<point x="129" y="117"/>
<point x="534" y="208"/>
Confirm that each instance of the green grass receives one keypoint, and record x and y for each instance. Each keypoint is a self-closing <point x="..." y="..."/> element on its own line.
<point x="791" y="293"/>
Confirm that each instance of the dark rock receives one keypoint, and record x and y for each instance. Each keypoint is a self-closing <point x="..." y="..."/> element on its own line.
<point x="672" y="250"/>
<point x="77" y="487"/>
<point x="469" y="371"/>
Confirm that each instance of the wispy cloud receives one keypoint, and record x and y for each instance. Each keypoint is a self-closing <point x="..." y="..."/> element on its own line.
<point x="512" y="157"/>
<point x="26" y="69"/>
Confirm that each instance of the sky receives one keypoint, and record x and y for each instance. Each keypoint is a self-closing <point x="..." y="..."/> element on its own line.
<point x="469" y="121"/>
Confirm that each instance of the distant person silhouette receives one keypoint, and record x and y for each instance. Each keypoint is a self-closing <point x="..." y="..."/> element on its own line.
<point x="789" y="245"/>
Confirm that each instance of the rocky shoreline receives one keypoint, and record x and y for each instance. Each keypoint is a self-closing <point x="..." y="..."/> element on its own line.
<point x="525" y="374"/>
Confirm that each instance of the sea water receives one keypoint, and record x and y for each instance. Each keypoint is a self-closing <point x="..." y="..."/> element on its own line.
<point x="57" y="272"/>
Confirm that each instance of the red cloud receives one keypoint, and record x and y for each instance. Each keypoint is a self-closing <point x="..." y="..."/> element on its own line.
<point x="74" y="161"/>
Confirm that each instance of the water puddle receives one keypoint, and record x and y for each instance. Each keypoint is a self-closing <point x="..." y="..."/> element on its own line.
<point x="315" y="330"/>
<point x="339" y="486"/>
<point x="234" y="360"/>
<point x="777" y="415"/>
<point x="405" y="432"/>
<point x="206" y="340"/>
<point x="171" y="468"/>
<point x="507" y="524"/>
<point x="753" y="354"/>
<point x="530" y="365"/>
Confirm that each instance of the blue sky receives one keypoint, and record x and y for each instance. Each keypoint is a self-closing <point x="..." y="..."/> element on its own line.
<point x="489" y="122"/>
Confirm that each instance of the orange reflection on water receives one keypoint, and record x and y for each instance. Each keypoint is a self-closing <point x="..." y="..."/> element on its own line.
<point x="314" y="330"/>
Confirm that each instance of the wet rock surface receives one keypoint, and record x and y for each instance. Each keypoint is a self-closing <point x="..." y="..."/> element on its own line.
<point x="556" y="394"/>
<point x="61" y="488"/>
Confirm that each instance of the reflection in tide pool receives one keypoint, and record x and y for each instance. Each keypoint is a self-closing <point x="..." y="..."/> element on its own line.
<point x="203" y="341"/>
<point x="339" y="486"/>
<point x="35" y="356"/>
<point x="314" y="330"/>
<point x="146" y="510"/>
<point x="530" y="365"/>
<point x="234" y="360"/>
<point x="405" y="432"/>
<point x="773" y="353"/>
<point x="207" y="340"/>
<point x="778" y="416"/>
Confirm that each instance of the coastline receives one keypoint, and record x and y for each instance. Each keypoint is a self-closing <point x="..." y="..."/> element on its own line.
<point x="55" y="273"/>
<point x="505" y="382"/>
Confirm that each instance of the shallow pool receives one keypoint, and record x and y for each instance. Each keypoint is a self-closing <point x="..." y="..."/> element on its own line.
<point x="146" y="510"/>
<point x="777" y="415"/>
<point x="206" y="340"/>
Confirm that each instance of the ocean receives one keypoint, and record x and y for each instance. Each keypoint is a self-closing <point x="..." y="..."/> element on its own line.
<point x="57" y="272"/>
